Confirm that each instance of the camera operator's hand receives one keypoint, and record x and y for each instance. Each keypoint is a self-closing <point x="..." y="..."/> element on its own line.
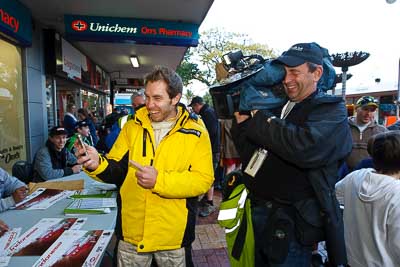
<point x="90" y="159"/>
<point x="240" y="117"/>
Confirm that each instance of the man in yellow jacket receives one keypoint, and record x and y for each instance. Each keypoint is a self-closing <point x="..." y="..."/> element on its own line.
<point x="161" y="161"/>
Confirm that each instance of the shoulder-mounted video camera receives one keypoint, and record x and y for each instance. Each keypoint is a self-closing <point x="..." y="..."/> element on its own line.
<point x="252" y="82"/>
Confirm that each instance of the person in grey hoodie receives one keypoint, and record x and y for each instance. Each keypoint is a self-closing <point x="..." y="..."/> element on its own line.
<point x="371" y="200"/>
<point x="12" y="191"/>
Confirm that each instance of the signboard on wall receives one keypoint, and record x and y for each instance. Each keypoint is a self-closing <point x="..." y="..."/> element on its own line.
<point x="64" y="60"/>
<point x="94" y="75"/>
<point x="16" y="21"/>
<point x="110" y="29"/>
<point x="71" y="60"/>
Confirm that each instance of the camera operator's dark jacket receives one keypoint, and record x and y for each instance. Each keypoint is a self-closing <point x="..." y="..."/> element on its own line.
<point x="314" y="144"/>
<point x="210" y="119"/>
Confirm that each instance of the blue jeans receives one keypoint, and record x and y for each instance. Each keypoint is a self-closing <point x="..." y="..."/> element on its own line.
<point x="298" y="255"/>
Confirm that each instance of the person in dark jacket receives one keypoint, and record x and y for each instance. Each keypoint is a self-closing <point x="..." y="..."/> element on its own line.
<point x="54" y="160"/>
<point x="70" y="120"/>
<point x="210" y="119"/>
<point x="290" y="165"/>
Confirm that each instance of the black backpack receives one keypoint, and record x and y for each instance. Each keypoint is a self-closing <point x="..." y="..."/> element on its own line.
<point x="23" y="170"/>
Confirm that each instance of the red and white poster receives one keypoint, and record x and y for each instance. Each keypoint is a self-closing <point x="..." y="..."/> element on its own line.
<point x="76" y="248"/>
<point x="43" y="198"/>
<point x="6" y="240"/>
<point x="42" y="235"/>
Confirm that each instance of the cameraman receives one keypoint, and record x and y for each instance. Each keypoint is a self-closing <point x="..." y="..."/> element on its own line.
<point x="290" y="166"/>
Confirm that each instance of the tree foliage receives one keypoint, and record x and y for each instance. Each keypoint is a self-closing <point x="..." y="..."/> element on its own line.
<point x="208" y="99"/>
<point x="199" y="63"/>
<point x="188" y="95"/>
<point x="188" y="70"/>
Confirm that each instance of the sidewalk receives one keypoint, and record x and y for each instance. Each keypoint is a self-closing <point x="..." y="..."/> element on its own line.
<point x="209" y="248"/>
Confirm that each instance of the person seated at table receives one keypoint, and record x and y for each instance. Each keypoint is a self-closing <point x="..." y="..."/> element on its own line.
<point x="12" y="191"/>
<point x="54" y="160"/>
<point x="82" y="128"/>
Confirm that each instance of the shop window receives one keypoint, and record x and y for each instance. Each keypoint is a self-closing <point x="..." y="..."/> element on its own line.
<point x="12" y="119"/>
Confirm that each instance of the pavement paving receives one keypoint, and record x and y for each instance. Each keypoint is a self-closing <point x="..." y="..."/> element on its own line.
<point x="209" y="249"/>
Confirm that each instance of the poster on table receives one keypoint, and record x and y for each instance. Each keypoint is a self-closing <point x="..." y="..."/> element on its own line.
<point x="76" y="248"/>
<point x="42" y="235"/>
<point x="6" y="240"/>
<point x="42" y="198"/>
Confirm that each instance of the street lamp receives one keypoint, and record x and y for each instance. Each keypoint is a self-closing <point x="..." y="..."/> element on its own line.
<point x="346" y="60"/>
<point x="339" y="79"/>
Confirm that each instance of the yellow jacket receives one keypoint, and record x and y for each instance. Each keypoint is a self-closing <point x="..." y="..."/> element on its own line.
<point x="161" y="218"/>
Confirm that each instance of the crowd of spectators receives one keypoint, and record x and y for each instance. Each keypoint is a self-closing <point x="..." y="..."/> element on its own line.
<point x="288" y="159"/>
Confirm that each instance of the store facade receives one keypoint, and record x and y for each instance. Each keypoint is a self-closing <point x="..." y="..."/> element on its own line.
<point x="33" y="97"/>
<point x="16" y="34"/>
<point x="72" y="78"/>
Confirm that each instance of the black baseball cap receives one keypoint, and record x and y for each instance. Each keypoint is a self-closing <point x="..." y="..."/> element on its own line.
<point x="81" y="124"/>
<point x="57" y="130"/>
<point x="196" y="100"/>
<point x="301" y="53"/>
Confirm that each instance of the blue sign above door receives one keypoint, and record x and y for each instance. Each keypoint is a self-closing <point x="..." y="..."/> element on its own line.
<point x="109" y="29"/>
<point x="16" y="21"/>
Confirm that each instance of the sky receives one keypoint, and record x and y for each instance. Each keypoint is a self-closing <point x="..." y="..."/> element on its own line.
<point x="371" y="26"/>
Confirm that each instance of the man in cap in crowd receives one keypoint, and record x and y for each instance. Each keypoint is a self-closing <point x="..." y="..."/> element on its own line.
<point x="54" y="160"/>
<point x="290" y="165"/>
<point x="82" y="129"/>
<point x="363" y="126"/>
<point x="210" y="119"/>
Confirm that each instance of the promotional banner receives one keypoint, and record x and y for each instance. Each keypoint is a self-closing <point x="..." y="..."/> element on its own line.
<point x="76" y="248"/>
<point x="6" y="240"/>
<point x="42" y="235"/>
<point x="42" y="199"/>
<point x="71" y="59"/>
